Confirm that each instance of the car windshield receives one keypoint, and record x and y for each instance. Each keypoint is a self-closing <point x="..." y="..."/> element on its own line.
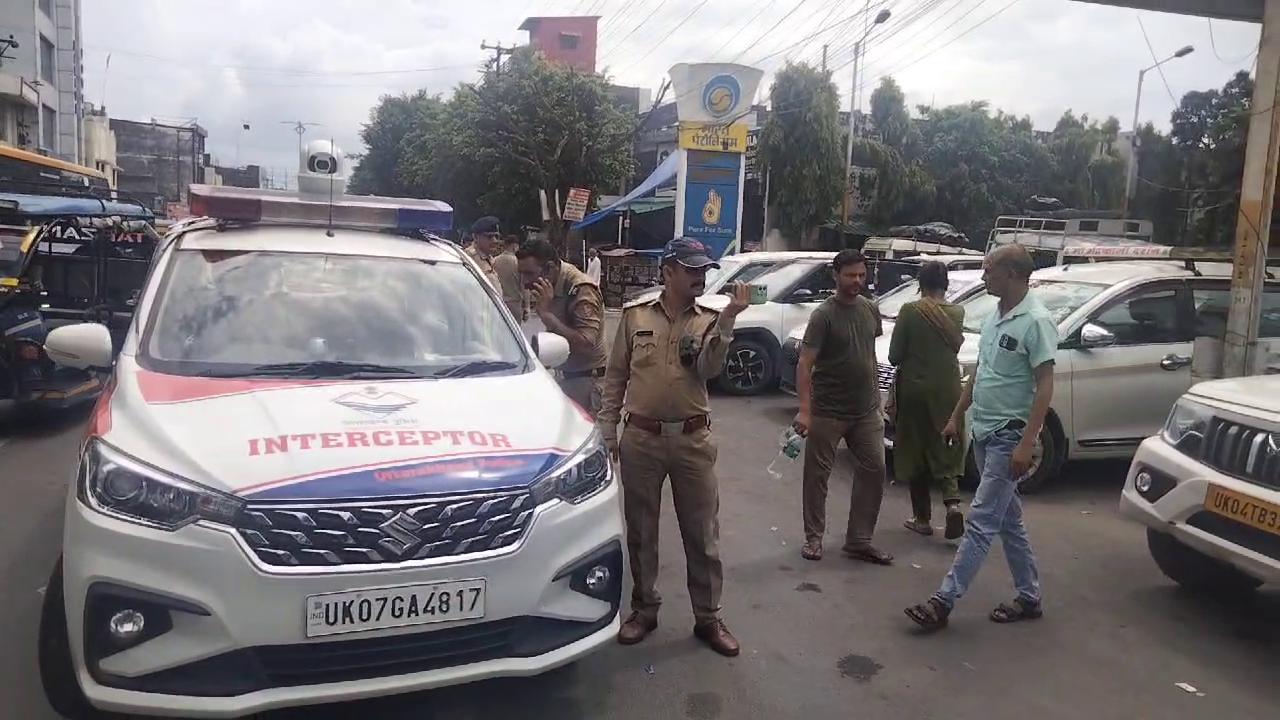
<point x="248" y="313"/>
<point x="891" y="302"/>
<point x="782" y="276"/>
<point x="1060" y="298"/>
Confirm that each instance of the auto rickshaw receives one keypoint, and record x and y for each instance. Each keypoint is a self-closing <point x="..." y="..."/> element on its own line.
<point x="54" y="255"/>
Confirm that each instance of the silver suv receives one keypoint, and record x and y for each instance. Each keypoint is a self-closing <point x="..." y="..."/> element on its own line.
<point x="1126" y="331"/>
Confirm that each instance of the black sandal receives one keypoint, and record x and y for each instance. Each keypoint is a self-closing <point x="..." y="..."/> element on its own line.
<point x="812" y="550"/>
<point x="1017" y="611"/>
<point x="919" y="527"/>
<point x="955" y="524"/>
<point x="932" y="615"/>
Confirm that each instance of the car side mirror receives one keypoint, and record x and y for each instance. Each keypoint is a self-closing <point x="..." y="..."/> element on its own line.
<point x="551" y="349"/>
<point x="83" y="346"/>
<point x="801" y="295"/>
<point x="1095" y="336"/>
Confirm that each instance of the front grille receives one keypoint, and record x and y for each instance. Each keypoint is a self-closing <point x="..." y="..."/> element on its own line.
<point x="884" y="375"/>
<point x="1243" y="452"/>
<point x="371" y="532"/>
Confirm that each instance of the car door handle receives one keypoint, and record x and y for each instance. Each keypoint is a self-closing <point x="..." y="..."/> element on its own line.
<point x="1174" y="362"/>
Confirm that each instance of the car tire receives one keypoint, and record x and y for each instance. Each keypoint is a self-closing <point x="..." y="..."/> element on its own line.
<point x="754" y="368"/>
<point x="57" y="668"/>
<point x="1196" y="572"/>
<point x="1050" y="465"/>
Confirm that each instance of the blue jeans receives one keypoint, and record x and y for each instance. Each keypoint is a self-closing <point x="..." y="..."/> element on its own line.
<point x="996" y="510"/>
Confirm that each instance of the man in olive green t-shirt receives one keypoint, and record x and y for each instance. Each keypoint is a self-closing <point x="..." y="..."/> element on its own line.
<point x="840" y="399"/>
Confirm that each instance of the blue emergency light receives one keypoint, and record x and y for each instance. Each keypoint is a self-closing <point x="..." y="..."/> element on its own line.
<point x="352" y="212"/>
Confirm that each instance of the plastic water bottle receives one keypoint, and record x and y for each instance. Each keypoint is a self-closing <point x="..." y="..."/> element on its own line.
<point x="791" y="445"/>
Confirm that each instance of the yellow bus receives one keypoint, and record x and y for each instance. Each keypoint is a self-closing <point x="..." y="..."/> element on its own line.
<point x="32" y="174"/>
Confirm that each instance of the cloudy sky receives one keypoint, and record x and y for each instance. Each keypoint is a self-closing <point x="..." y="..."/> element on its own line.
<point x="270" y="62"/>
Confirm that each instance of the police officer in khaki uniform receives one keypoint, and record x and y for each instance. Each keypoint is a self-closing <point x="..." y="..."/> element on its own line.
<point x="508" y="271"/>
<point x="665" y="351"/>
<point x="485" y="234"/>
<point x="570" y="305"/>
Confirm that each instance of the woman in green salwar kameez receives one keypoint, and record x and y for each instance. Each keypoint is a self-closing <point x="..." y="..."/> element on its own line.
<point x="926" y="339"/>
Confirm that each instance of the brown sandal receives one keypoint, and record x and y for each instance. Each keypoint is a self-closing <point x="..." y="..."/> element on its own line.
<point x="812" y="550"/>
<point x="867" y="553"/>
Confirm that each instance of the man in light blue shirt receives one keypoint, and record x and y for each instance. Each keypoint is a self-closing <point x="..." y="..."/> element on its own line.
<point x="1007" y="398"/>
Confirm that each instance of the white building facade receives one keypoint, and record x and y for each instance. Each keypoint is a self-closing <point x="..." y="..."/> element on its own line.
<point x="42" y="77"/>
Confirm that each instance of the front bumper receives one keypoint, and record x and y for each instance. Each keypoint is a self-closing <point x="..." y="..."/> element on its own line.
<point x="1175" y="504"/>
<point x="229" y="636"/>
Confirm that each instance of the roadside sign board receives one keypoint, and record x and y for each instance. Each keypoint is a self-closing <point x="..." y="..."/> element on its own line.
<point x="575" y="207"/>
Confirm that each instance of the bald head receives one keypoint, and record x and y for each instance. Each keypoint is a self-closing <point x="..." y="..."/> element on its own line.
<point x="1007" y="270"/>
<point x="1014" y="259"/>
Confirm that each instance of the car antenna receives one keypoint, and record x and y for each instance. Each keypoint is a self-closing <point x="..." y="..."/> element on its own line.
<point x="329" y="231"/>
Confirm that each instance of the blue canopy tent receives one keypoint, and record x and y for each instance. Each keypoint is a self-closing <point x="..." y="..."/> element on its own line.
<point x="664" y="174"/>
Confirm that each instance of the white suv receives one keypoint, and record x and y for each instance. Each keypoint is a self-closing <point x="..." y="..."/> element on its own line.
<point x="1126" y="330"/>
<point x="1208" y="487"/>
<point x="328" y="467"/>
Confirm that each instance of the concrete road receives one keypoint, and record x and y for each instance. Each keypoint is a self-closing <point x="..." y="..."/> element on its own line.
<point x="821" y="640"/>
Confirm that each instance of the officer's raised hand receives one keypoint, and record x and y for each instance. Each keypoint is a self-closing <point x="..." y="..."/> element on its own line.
<point x="739" y="298"/>
<point x="543" y="293"/>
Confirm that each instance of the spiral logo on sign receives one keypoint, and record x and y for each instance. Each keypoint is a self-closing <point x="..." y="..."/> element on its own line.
<point x="721" y="95"/>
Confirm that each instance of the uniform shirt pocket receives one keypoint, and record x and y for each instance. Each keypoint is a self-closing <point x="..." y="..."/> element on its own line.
<point x="644" y="349"/>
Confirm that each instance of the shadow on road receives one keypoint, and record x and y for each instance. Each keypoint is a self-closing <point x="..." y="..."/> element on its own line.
<point x="15" y="424"/>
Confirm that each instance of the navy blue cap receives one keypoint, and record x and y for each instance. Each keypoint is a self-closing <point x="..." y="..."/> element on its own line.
<point x="487" y="225"/>
<point x="689" y="253"/>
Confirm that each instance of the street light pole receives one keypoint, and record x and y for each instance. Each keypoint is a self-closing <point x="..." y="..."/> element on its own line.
<point x="881" y="18"/>
<point x="1131" y="167"/>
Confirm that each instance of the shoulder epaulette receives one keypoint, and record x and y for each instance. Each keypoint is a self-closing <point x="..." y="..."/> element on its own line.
<point x="703" y="304"/>
<point x="640" y="302"/>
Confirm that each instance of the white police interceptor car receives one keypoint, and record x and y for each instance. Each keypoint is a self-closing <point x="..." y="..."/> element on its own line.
<point x="328" y="466"/>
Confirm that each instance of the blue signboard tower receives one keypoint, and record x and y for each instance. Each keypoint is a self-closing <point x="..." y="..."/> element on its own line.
<point x="712" y="100"/>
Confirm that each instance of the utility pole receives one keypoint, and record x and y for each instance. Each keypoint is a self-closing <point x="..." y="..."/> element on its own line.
<point x="498" y="52"/>
<point x="299" y="127"/>
<point x="824" y="58"/>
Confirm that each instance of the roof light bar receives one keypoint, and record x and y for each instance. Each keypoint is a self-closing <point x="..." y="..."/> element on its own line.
<point x="352" y="212"/>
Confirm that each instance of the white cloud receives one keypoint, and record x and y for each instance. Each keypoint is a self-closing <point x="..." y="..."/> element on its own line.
<point x="226" y="62"/>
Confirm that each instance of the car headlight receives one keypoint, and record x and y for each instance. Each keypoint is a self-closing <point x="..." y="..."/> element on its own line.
<point x="585" y="473"/>
<point x="123" y="487"/>
<point x="1186" y="427"/>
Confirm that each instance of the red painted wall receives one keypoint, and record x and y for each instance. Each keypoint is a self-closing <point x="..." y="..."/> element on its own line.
<point x="545" y="35"/>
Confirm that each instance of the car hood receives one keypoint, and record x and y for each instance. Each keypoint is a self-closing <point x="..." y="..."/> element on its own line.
<point x="288" y="439"/>
<point x="1261" y="393"/>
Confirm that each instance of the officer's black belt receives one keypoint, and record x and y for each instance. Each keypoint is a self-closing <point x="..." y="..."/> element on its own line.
<point x="676" y="427"/>
<point x="576" y="374"/>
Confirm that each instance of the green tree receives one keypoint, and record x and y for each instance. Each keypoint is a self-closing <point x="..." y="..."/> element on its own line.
<point x="378" y="169"/>
<point x="491" y="147"/>
<point x="902" y="188"/>
<point x="1209" y="129"/>
<point x="800" y="148"/>
<point x="536" y="126"/>
<point x="982" y="165"/>
<point x="1088" y="172"/>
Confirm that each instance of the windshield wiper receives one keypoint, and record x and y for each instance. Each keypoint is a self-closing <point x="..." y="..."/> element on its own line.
<point x="475" y="367"/>
<point x="319" y="369"/>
